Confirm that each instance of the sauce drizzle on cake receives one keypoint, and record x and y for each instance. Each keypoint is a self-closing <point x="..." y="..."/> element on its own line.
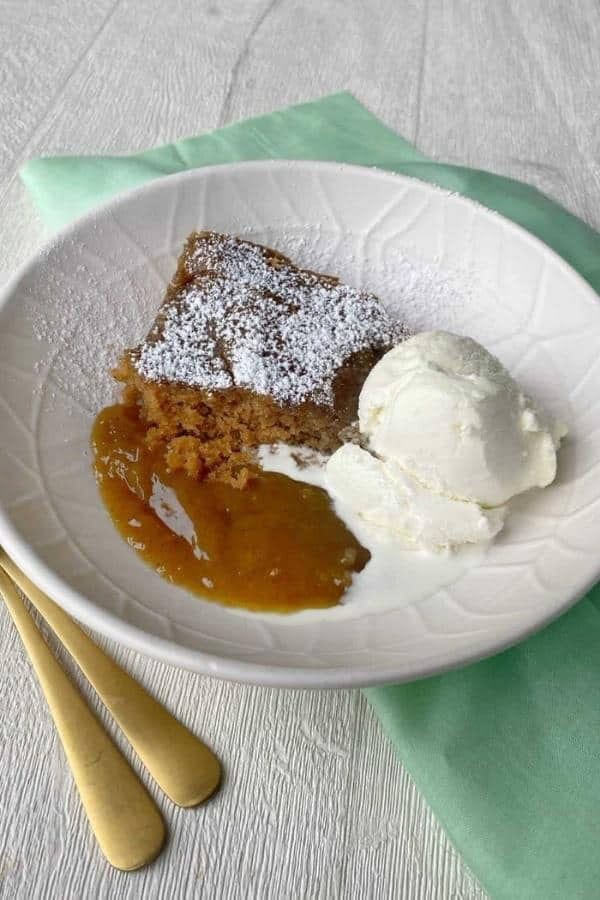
<point x="247" y="349"/>
<point x="276" y="546"/>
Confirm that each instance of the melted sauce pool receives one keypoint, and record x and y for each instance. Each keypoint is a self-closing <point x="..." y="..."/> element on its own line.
<point x="275" y="546"/>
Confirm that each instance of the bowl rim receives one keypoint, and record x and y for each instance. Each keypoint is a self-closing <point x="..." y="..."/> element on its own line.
<point x="272" y="675"/>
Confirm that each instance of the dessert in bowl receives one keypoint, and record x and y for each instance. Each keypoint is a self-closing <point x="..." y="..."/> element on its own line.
<point x="420" y="440"/>
<point x="437" y="262"/>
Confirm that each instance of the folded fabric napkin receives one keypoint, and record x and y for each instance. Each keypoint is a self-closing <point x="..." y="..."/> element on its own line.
<point x="507" y="751"/>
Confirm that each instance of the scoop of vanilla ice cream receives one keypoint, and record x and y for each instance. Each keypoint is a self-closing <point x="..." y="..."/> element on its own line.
<point x="449" y="438"/>
<point x="448" y="414"/>
<point x="384" y="495"/>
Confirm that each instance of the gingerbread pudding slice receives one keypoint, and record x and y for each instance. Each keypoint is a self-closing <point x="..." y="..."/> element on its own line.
<point x="249" y="349"/>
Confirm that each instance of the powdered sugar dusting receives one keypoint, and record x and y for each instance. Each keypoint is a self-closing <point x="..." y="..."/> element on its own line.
<point x="426" y="294"/>
<point x="96" y="311"/>
<point x="250" y="319"/>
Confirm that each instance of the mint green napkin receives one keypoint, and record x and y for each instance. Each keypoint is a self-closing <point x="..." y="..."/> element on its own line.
<point x="507" y="751"/>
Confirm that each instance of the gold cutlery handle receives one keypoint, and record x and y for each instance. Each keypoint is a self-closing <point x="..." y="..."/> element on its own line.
<point x="184" y="767"/>
<point x="123" y="816"/>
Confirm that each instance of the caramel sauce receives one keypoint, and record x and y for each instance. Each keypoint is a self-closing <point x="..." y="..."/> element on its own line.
<point x="277" y="545"/>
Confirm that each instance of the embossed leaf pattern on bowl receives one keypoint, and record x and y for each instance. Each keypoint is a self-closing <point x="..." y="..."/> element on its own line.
<point x="94" y="290"/>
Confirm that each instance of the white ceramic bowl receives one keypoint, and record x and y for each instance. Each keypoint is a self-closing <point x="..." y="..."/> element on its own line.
<point x="95" y="287"/>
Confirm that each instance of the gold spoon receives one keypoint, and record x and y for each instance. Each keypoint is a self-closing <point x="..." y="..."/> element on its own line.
<point x="181" y="764"/>
<point x="123" y="816"/>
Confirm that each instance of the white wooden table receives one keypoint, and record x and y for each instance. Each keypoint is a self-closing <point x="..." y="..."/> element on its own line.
<point x="314" y="804"/>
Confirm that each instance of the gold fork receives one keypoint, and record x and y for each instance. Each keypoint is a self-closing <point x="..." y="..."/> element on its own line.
<point x="182" y="765"/>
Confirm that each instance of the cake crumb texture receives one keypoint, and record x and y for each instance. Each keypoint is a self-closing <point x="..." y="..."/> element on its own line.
<point x="248" y="349"/>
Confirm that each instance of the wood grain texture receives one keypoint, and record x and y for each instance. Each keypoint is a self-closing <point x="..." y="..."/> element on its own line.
<point x="314" y="803"/>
